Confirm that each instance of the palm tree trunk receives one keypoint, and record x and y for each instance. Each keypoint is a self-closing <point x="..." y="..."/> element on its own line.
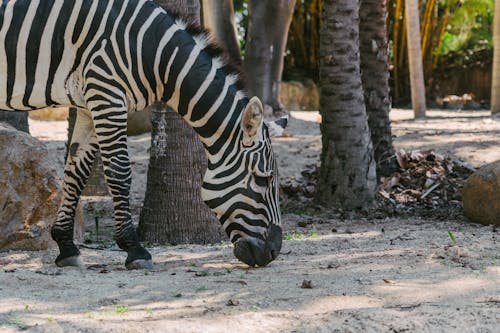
<point x="218" y="17"/>
<point x="347" y="174"/>
<point x="265" y="48"/>
<point x="375" y="69"/>
<point x="415" y="58"/>
<point x="173" y="211"/>
<point x="495" y="86"/>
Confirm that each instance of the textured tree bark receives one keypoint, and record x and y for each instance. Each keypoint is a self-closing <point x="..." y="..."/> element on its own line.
<point x="415" y="58"/>
<point x="347" y="173"/>
<point x="17" y="119"/>
<point x="267" y="33"/>
<point x="375" y="77"/>
<point x="173" y="211"/>
<point x="495" y="86"/>
<point x="218" y="17"/>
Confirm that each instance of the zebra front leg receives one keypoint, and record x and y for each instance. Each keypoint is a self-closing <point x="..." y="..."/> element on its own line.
<point x="81" y="155"/>
<point x="111" y="130"/>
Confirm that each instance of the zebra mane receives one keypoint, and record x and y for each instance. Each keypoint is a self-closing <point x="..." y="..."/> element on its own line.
<point x="214" y="48"/>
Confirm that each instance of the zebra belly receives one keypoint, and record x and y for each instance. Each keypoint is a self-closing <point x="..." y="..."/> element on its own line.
<point x="63" y="93"/>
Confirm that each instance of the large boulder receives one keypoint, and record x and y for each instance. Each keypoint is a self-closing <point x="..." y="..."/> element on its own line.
<point x="30" y="192"/>
<point x="481" y="195"/>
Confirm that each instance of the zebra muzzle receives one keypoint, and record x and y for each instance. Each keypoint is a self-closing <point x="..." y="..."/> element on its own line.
<point x="257" y="252"/>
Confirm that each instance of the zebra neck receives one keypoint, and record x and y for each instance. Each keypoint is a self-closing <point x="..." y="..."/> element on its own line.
<point x="199" y="85"/>
<point x="218" y="125"/>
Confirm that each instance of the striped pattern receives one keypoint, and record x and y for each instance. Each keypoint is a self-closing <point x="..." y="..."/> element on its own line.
<point x="110" y="57"/>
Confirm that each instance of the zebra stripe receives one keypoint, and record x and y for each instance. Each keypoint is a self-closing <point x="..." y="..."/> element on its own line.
<point x="111" y="57"/>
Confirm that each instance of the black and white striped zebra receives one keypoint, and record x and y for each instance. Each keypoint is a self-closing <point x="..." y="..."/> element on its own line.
<point x="111" y="57"/>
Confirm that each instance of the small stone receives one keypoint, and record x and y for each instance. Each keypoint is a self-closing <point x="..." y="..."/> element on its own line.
<point x="306" y="284"/>
<point x="302" y="224"/>
<point x="232" y="302"/>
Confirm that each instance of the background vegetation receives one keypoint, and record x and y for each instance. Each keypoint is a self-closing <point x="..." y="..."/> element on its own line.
<point x="456" y="41"/>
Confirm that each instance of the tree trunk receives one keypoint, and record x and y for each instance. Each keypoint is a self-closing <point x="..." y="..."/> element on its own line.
<point x="17" y="119"/>
<point x="347" y="174"/>
<point x="96" y="185"/>
<point x="495" y="86"/>
<point x="415" y="58"/>
<point x="375" y="77"/>
<point x="173" y="210"/>
<point x="218" y="17"/>
<point x="267" y="33"/>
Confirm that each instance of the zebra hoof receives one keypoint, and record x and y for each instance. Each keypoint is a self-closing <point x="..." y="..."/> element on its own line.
<point x="140" y="264"/>
<point x="74" y="261"/>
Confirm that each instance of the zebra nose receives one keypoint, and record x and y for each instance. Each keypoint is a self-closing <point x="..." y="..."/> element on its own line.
<point x="256" y="252"/>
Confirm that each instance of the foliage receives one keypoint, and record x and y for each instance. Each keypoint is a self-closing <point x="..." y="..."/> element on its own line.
<point x="453" y="32"/>
<point x="241" y="15"/>
<point x="303" y="39"/>
<point x="469" y="27"/>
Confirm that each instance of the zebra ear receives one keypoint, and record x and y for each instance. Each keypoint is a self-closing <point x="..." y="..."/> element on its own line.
<point x="251" y="121"/>
<point x="277" y="127"/>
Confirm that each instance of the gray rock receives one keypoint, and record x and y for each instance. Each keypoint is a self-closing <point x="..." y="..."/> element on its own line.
<point x="481" y="195"/>
<point x="30" y="192"/>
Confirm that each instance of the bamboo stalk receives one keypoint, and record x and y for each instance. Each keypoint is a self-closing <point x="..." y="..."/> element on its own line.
<point x="495" y="87"/>
<point x="426" y="26"/>
<point x="396" y="47"/>
<point x="441" y="28"/>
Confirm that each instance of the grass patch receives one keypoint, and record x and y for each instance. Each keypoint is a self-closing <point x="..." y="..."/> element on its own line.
<point x="121" y="309"/>
<point x="14" y="321"/>
<point x="452" y="237"/>
<point x="293" y="236"/>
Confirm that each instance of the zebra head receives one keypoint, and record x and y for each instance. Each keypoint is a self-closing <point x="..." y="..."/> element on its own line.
<point x="243" y="189"/>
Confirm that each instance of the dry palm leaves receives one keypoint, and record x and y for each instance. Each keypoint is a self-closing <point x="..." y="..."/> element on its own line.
<point x="426" y="178"/>
<point x="427" y="184"/>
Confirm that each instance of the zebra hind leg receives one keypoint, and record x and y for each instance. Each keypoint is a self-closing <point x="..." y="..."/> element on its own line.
<point x="79" y="163"/>
<point x="112" y="137"/>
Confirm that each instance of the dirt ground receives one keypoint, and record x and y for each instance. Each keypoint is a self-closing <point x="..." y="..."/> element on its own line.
<point x="362" y="275"/>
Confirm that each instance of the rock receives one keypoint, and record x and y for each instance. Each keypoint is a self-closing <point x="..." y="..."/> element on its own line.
<point x="481" y="195"/>
<point x="299" y="96"/>
<point x="291" y="94"/>
<point x="472" y="105"/>
<point x="310" y="98"/>
<point x="30" y="192"/>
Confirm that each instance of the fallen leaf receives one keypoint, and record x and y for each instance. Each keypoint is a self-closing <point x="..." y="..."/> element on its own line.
<point x="389" y="281"/>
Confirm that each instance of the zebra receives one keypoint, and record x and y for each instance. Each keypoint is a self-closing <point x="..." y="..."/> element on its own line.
<point x="112" y="57"/>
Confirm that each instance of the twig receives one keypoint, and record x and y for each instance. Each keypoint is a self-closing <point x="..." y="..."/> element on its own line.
<point x="429" y="191"/>
<point x="465" y="166"/>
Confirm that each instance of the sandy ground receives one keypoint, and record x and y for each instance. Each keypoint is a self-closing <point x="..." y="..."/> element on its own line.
<point x="390" y="275"/>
